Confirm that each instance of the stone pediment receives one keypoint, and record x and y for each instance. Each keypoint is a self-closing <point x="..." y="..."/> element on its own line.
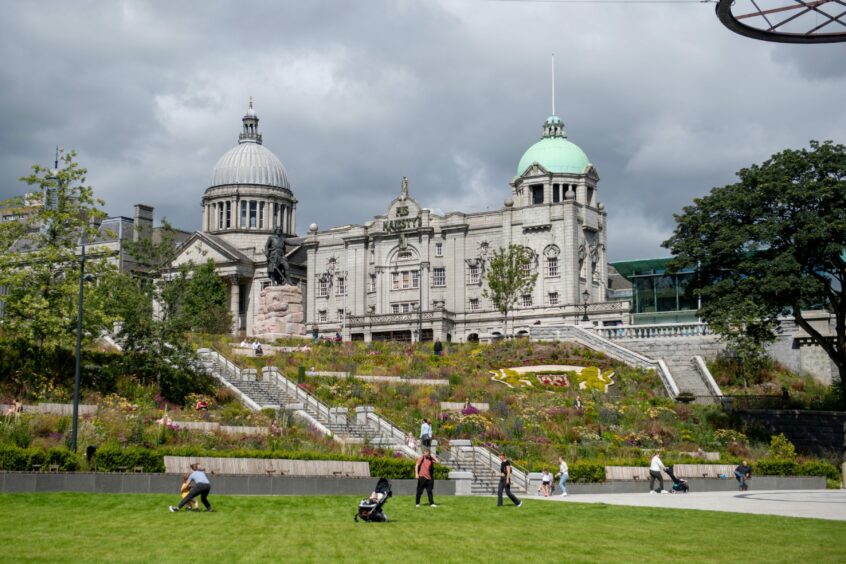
<point x="535" y="169"/>
<point x="200" y="247"/>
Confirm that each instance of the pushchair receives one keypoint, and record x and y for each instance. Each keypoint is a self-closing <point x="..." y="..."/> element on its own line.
<point x="370" y="509"/>
<point x="679" y="484"/>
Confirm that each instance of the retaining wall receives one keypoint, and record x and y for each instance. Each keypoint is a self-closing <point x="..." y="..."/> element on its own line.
<point x="120" y="483"/>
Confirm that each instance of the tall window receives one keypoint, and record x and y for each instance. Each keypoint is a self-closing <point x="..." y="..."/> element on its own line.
<point x="243" y="213"/>
<point x="275" y="215"/>
<point x="322" y="288"/>
<point x="340" y="316"/>
<point x="474" y="304"/>
<point x="553" y="298"/>
<point x="228" y="215"/>
<point x="439" y="249"/>
<point x="415" y="278"/>
<point x="261" y="215"/>
<point x="552" y="267"/>
<point x="526" y="268"/>
<point x="439" y="277"/>
<point x="395" y="281"/>
<point x="371" y="283"/>
<point x="526" y="300"/>
<point x="475" y="274"/>
<point x="341" y="288"/>
<point x="537" y="194"/>
<point x="253" y="206"/>
<point x="405" y="279"/>
<point x="221" y="222"/>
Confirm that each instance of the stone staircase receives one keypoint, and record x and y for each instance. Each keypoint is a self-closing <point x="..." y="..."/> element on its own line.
<point x="271" y="389"/>
<point x="484" y="466"/>
<point x="670" y="350"/>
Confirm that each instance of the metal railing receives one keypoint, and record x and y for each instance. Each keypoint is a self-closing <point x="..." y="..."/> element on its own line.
<point x="476" y="456"/>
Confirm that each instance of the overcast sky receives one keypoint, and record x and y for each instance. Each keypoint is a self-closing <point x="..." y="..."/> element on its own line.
<point x="353" y="96"/>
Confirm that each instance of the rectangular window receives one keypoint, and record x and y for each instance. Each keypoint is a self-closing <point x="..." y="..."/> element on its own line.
<point x="261" y="215"/>
<point x="371" y="284"/>
<point x="552" y="267"/>
<point x="221" y="222"/>
<point x="526" y="300"/>
<point x="395" y="308"/>
<point x="553" y="298"/>
<point x="404" y="255"/>
<point x="395" y="281"/>
<point x="243" y="213"/>
<point x="253" y="214"/>
<point x="526" y="269"/>
<point x="322" y="288"/>
<point x="556" y="197"/>
<point x="340" y="316"/>
<point x="321" y="317"/>
<point x="439" y="249"/>
<point x="228" y="215"/>
<point x="406" y="279"/>
<point x="341" y="288"/>
<point x="405" y="308"/>
<point x="537" y="194"/>
<point x="439" y="277"/>
<point x="474" y="304"/>
<point x="475" y="274"/>
<point x="275" y="216"/>
<point x="415" y="278"/>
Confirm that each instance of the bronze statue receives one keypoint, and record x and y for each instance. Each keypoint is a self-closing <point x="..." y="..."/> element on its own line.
<point x="277" y="262"/>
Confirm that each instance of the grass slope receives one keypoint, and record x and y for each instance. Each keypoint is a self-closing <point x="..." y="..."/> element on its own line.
<point x="122" y="528"/>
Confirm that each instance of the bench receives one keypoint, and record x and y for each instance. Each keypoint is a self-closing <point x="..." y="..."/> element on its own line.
<point x="680" y="470"/>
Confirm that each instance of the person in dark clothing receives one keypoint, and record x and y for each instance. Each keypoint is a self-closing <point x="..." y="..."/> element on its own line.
<point x="424" y="471"/>
<point x="438" y="347"/>
<point x="200" y="486"/>
<point x="743" y="473"/>
<point x="505" y="482"/>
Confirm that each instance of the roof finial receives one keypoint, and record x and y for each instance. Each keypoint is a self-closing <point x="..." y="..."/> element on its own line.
<point x="56" y="162"/>
<point x="251" y="102"/>
<point x="404" y="188"/>
<point x="553" y="84"/>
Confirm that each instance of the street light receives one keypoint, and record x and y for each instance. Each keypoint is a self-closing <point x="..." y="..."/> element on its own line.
<point x="76" y="374"/>
<point x="585" y="298"/>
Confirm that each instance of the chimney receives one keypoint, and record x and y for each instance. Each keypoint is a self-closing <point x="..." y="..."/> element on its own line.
<point x="143" y="222"/>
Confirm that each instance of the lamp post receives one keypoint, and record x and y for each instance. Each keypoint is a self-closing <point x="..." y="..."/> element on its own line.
<point x="585" y="298"/>
<point x="76" y="372"/>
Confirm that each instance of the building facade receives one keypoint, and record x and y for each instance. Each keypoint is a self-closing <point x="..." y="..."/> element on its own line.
<point x="413" y="274"/>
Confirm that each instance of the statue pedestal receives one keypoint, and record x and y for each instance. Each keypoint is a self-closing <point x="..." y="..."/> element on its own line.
<point x="280" y="313"/>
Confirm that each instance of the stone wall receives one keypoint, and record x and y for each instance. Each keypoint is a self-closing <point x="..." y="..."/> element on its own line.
<point x="809" y="431"/>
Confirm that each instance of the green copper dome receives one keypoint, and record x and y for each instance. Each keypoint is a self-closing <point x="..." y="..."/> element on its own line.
<point x="554" y="152"/>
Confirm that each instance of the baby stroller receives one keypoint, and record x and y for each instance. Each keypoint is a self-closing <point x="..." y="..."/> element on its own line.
<point x="370" y="509"/>
<point x="679" y="484"/>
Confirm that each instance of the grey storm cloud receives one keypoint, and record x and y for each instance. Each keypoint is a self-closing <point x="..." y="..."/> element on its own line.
<point x="353" y="96"/>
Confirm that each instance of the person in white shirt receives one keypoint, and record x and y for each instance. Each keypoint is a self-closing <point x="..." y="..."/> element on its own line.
<point x="426" y="433"/>
<point x="655" y="469"/>
<point x="564" y="475"/>
<point x="546" y="483"/>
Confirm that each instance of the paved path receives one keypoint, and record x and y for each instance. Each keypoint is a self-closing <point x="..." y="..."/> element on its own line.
<point x="817" y="504"/>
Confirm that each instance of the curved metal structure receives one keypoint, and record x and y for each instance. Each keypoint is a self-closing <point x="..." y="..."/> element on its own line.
<point x="786" y="21"/>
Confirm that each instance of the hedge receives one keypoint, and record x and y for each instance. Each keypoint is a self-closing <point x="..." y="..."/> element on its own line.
<point x="776" y="467"/>
<point x="23" y="459"/>
<point x="586" y="472"/>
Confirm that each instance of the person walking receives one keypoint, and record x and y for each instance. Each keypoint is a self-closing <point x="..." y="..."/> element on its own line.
<point x="426" y="433"/>
<point x="743" y="473"/>
<point x="438" y="347"/>
<point x="424" y="471"/>
<point x="564" y="475"/>
<point x="505" y="482"/>
<point x="655" y="469"/>
<point x="200" y="486"/>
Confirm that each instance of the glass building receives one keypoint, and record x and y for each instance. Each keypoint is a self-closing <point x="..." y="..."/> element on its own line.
<point x="658" y="297"/>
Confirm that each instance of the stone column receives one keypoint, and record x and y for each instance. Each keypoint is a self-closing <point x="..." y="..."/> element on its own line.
<point x="234" y="303"/>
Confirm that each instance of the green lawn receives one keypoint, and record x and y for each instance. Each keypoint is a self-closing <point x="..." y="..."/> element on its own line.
<point x="120" y="528"/>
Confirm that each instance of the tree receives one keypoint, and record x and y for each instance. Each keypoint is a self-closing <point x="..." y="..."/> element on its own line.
<point x="157" y="306"/>
<point x="508" y="277"/>
<point x="39" y="266"/>
<point x="772" y="243"/>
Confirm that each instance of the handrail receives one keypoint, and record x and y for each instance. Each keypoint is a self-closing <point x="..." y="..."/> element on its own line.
<point x="657" y="330"/>
<point x="700" y="365"/>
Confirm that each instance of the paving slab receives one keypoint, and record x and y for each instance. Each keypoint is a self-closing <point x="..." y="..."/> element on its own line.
<point x="812" y="504"/>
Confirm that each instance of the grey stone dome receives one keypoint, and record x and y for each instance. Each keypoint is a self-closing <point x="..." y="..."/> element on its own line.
<point x="249" y="162"/>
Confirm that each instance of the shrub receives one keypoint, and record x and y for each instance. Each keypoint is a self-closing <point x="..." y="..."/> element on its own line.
<point x="13" y="458"/>
<point x="21" y="459"/>
<point x="819" y="468"/>
<point x="114" y="459"/>
<point x="776" y="467"/>
<point x="587" y="472"/>
<point x="781" y="448"/>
